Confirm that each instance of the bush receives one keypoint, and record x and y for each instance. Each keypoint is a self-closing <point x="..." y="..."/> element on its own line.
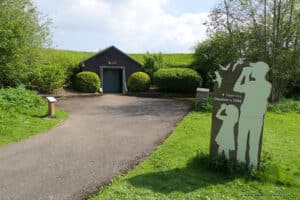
<point x="87" y="82"/>
<point x="293" y="89"/>
<point x="19" y="100"/>
<point x="217" y="49"/>
<point x="153" y="62"/>
<point x="139" y="82"/>
<point x="285" y="106"/>
<point x="204" y="107"/>
<point x="69" y="60"/>
<point x="71" y="71"/>
<point x="177" y="79"/>
<point x="47" y="78"/>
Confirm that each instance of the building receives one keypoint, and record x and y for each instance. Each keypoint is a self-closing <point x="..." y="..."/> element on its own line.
<point x="113" y="67"/>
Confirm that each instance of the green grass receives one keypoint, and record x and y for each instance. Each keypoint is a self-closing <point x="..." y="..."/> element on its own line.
<point x="285" y="105"/>
<point x="173" y="171"/>
<point x="66" y="58"/>
<point x="174" y="59"/>
<point x="23" y="114"/>
<point x="17" y="127"/>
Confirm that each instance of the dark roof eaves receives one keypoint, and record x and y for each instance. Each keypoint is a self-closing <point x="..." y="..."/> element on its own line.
<point x="102" y="51"/>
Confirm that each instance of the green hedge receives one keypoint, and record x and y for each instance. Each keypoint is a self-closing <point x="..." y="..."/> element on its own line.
<point x="47" y="78"/>
<point x="87" y="82"/>
<point x="177" y="79"/>
<point x="139" y="82"/>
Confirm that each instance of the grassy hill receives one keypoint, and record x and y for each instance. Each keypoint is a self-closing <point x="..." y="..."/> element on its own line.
<point x="66" y="57"/>
<point x="173" y="59"/>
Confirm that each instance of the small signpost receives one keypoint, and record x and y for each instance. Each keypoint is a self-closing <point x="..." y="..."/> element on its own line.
<point x="51" y="105"/>
<point x="239" y="105"/>
<point x="202" y="95"/>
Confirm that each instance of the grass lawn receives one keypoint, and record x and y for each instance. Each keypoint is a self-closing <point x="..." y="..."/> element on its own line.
<point x="174" y="171"/>
<point x="14" y="128"/>
<point x="22" y="114"/>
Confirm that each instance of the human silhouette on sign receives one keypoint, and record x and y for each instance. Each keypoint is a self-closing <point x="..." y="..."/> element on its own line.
<point x="225" y="136"/>
<point x="256" y="90"/>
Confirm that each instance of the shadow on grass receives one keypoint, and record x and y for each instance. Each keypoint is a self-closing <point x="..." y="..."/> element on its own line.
<point x="203" y="171"/>
<point x="194" y="176"/>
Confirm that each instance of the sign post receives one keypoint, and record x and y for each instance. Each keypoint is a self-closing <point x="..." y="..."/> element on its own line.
<point x="51" y="106"/>
<point x="202" y="95"/>
<point x="239" y="105"/>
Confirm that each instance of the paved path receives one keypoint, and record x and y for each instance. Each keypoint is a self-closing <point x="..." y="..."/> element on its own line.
<point x="102" y="137"/>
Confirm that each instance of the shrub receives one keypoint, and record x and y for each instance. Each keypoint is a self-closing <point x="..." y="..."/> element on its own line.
<point x="204" y="107"/>
<point x="69" y="60"/>
<point x="153" y="62"/>
<point x="71" y="71"/>
<point x="285" y="106"/>
<point x="177" y="79"/>
<point x="139" y="82"/>
<point x="19" y="100"/>
<point x="87" y="82"/>
<point x="47" y="78"/>
<point x="217" y="49"/>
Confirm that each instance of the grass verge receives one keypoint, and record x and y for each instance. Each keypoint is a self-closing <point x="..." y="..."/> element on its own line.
<point x="15" y="128"/>
<point x="175" y="171"/>
<point x="23" y="114"/>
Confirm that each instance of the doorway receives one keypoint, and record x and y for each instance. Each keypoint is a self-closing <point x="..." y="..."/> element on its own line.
<point x="112" y="80"/>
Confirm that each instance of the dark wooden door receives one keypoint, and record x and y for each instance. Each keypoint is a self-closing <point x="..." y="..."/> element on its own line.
<point x="112" y="80"/>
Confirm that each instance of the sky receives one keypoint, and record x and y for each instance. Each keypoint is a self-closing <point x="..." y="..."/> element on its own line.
<point x="134" y="26"/>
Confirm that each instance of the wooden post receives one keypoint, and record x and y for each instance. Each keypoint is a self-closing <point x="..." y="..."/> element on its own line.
<point x="51" y="106"/>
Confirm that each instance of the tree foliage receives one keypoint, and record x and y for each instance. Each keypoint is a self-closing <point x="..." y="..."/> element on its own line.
<point x="266" y="30"/>
<point x="22" y="33"/>
<point x="152" y="63"/>
<point x="46" y="78"/>
<point x="212" y="52"/>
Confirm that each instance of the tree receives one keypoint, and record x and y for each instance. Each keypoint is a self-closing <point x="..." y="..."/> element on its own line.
<point x="210" y="53"/>
<point x="266" y="30"/>
<point x="152" y="63"/>
<point x="22" y="33"/>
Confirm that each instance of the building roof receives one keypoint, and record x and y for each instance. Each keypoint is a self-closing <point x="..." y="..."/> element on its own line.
<point x="107" y="49"/>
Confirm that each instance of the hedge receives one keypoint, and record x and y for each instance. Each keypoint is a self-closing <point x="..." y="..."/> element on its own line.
<point x="177" y="79"/>
<point x="139" y="82"/>
<point x="87" y="82"/>
<point x="46" y="78"/>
